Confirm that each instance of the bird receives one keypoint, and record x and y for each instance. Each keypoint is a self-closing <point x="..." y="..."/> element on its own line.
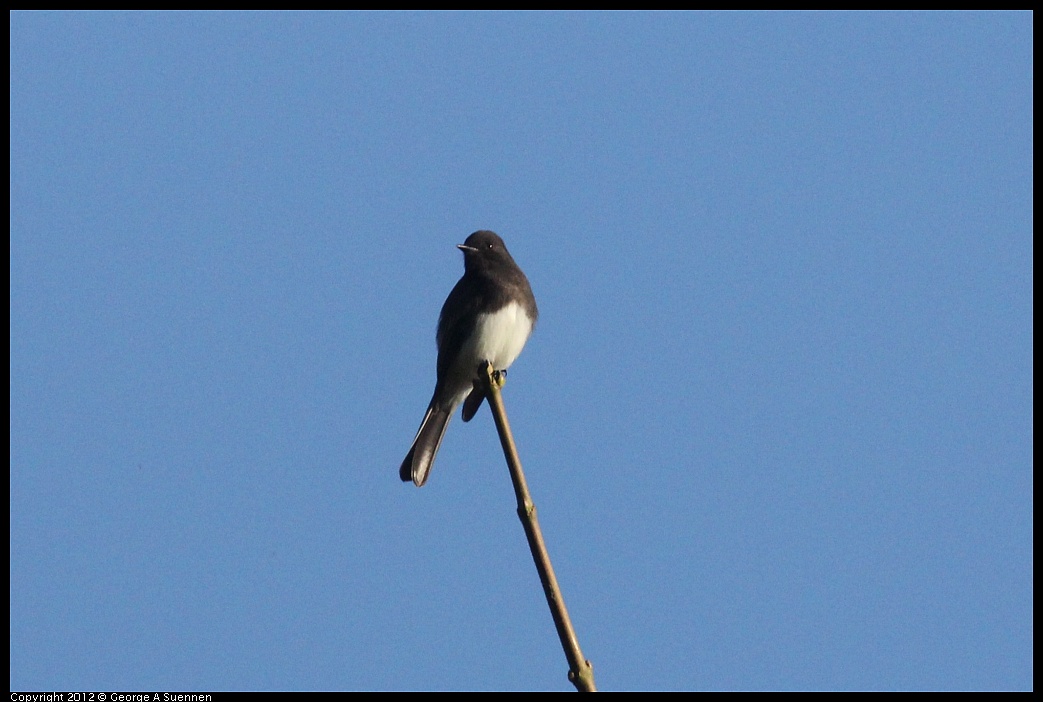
<point x="489" y="315"/>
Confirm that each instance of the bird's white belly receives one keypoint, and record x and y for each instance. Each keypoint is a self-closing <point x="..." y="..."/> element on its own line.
<point x="499" y="337"/>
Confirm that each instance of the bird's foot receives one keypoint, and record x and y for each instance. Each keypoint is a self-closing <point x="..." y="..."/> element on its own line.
<point x="499" y="377"/>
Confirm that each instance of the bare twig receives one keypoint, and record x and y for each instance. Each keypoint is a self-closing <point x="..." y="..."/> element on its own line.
<point x="581" y="673"/>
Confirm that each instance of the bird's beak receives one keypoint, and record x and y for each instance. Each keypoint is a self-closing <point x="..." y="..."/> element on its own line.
<point x="465" y="248"/>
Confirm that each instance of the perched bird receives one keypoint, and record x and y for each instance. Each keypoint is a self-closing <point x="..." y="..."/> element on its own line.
<point x="488" y="316"/>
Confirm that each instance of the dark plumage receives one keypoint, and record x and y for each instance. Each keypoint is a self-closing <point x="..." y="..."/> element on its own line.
<point x="488" y="316"/>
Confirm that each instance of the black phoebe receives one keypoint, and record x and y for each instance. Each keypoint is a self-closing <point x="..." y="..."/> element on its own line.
<point x="488" y="316"/>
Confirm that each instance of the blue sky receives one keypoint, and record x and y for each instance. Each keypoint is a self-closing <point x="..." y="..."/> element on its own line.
<point x="776" y="415"/>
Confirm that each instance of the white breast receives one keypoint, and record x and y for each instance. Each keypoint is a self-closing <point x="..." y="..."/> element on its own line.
<point x="500" y="337"/>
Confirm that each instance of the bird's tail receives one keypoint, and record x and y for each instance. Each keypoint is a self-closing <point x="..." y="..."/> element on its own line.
<point x="421" y="456"/>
